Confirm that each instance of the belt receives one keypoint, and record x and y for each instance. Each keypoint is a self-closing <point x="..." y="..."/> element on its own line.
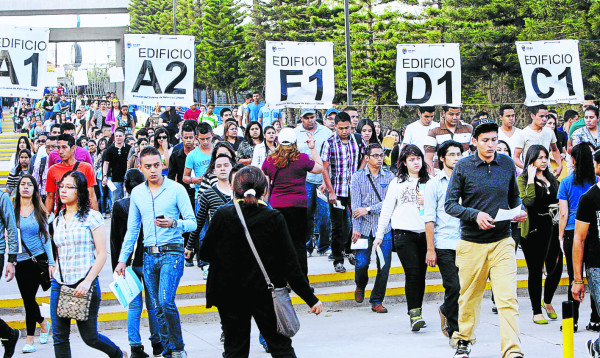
<point x="163" y="248"/>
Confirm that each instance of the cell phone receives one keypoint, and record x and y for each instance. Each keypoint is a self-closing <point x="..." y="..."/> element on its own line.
<point x="160" y="217"/>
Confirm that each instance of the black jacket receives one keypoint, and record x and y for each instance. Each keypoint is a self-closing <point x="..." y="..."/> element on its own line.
<point x="118" y="228"/>
<point x="234" y="273"/>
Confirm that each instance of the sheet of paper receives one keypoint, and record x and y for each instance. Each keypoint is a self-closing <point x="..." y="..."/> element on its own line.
<point x="360" y="244"/>
<point x="111" y="185"/>
<point x="380" y="256"/>
<point x="322" y="196"/>
<point x="338" y="205"/>
<point x="116" y="74"/>
<point x="504" y="215"/>
<point x="126" y="288"/>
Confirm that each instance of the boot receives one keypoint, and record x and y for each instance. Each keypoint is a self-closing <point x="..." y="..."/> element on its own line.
<point x="138" y="352"/>
<point x="416" y="319"/>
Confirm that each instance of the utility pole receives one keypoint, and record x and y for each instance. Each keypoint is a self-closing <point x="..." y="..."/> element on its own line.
<point x="348" y="66"/>
<point x="174" y="17"/>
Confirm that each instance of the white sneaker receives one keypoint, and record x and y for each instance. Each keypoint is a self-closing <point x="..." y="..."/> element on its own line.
<point x="205" y="274"/>
<point x="29" y="348"/>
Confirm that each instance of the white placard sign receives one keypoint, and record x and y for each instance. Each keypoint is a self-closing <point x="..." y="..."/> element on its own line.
<point x="299" y="74"/>
<point x="115" y="74"/>
<point x="23" y="55"/>
<point x="428" y="74"/>
<point x="551" y="72"/>
<point x="80" y="78"/>
<point x="159" y="69"/>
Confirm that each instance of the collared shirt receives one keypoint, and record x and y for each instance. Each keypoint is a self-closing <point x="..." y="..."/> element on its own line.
<point x="343" y="162"/>
<point x="80" y="154"/>
<point x="438" y="135"/>
<point x="447" y="228"/>
<point x="8" y="224"/>
<point x="363" y="196"/>
<point x="320" y="135"/>
<point x="75" y="243"/>
<point x="171" y="200"/>
<point x="485" y="187"/>
<point x="176" y="169"/>
<point x="583" y="134"/>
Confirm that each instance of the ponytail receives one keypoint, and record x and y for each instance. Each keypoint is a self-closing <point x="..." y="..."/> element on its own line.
<point x="250" y="198"/>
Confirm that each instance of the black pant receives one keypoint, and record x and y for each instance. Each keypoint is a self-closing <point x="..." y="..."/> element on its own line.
<point x="340" y="230"/>
<point x="446" y="261"/>
<point x="295" y="219"/>
<point x="235" y="320"/>
<point x="568" y="247"/>
<point x="411" y="248"/>
<point x="536" y="250"/>
<point x="28" y="276"/>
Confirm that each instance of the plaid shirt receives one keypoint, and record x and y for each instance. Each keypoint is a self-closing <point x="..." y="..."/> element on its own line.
<point x="75" y="243"/>
<point x="343" y="162"/>
<point x="364" y="196"/>
<point x="583" y="134"/>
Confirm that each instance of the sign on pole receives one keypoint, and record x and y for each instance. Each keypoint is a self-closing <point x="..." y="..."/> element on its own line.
<point x="23" y="54"/>
<point x="159" y="69"/>
<point x="428" y="74"/>
<point x="299" y="74"/>
<point x="551" y="72"/>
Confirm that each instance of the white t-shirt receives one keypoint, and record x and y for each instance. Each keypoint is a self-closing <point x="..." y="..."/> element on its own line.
<point x="417" y="134"/>
<point x="528" y="137"/>
<point x="509" y="140"/>
<point x="401" y="208"/>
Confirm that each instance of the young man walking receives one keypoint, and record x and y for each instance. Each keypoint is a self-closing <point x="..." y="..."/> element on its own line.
<point x="481" y="185"/>
<point x="157" y="205"/>
<point x="367" y="190"/>
<point x="443" y="233"/>
<point x="115" y="161"/>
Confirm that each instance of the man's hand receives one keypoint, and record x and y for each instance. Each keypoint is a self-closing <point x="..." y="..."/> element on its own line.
<point x="164" y="223"/>
<point x="10" y="272"/>
<point x="485" y="221"/>
<point x="355" y="236"/>
<point x="522" y="217"/>
<point x="578" y="291"/>
<point x="188" y="254"/>
<point x="431" y="258"/>
<point x="120" y="269"/>
<point x="332" y="198"/>
<point x="317" y="308"/>
<point x="359" y="213"/>
<point x="310" y="141"/>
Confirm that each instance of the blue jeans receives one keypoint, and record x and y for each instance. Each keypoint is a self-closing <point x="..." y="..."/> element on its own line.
<point x="593" y="279"/>
<point x="321" y="208"/>
<point x="88" y="330"/>
<point x="118" y="193"/>
<point x="361" y="274"/>
<point x="162" y="273"/>
<point x="135" y="312"/>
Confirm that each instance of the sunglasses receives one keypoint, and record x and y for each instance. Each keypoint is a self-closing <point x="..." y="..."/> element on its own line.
<point x="42" y="141"/>
<point x="162" y="137"/>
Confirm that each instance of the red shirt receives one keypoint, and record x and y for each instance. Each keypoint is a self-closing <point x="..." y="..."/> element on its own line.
<point x="189" y="114"/>
<point x="56" y="172"/>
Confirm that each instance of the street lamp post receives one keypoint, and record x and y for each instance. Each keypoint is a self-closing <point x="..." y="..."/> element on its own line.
<point x="174" y="17"/>
<point x="348" y="66"/>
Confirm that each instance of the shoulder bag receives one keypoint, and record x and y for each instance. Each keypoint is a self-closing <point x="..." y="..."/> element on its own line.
<point x="42" y="264"/>
<point x="288" y="323"/>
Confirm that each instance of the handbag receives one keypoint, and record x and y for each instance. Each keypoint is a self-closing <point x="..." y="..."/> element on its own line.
<point x="43" y="266"/>
<point x="288" y="323"/>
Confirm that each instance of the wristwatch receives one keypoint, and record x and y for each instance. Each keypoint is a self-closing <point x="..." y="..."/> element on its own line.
<point x="174" y="224"/>
<point x="368" y="209"/>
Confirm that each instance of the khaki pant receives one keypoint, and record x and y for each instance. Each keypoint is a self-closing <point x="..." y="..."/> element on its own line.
<point x="477" y="262"/>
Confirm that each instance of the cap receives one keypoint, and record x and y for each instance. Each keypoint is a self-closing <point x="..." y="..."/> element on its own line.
<point x="480" y="126"/>
<point x="287" y="136"/>
<point x="330" y="111"/>
<point x="482" y="121"/>
<point x="305" y="111"/>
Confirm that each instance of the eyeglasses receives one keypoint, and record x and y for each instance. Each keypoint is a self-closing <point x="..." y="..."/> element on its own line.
<point x="61" y="187"/>
<point x="162" y="137"/>
<point x="41" y="141"/>
<point x="377" y="155"/>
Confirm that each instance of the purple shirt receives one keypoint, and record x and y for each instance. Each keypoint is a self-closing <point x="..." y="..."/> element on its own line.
<point x="289" y="188"/>
<point x="81" y="155"/>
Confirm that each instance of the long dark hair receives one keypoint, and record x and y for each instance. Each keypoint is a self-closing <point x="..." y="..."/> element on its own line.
<point x="532" y="155"/>
<point x="39" y="210"/>
<point x="27" y="144"/>
<point x="247" y="178"/>
<point x="213" y="156"/>
<point x="161" y="130"/>
<point x="19" y="169"/>
<point x="83" y="196"/>
<point x="403" y="175"/>
<point x="367" y="122"/>
<point x="247" y="136"/>
<point x="584" y="166"/>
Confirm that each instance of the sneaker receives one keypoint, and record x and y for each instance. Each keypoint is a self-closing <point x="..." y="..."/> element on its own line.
<point x="29" y="348"/>
<point x="179" y="354"/>
<point x="138" y="352"/>
<point x="157" y="349"/>
<point x="444" y="322"/>
<point x="189" y="263"/>
<point x="463" y="349"/>
<point x="263" y="343"/>
<point x="592" y="352"/>
<point x="10" y="343"/>
<point x="44" y="335"/>
<point x="340" y="268"/>
<point x="416" y="319"/>
<point x="222" y="339"/>
<point x="494" y="309"/>
<point x="205" y="272"/>
<point x="593" y="326"/>
<point x="378" y="308"/>
<point x="359" y="295"/>
<point x="351" y="258"/>
<point x="330" y="257"/>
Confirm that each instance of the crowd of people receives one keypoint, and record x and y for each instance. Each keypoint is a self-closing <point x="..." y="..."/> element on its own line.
<point x="330" y="184"/>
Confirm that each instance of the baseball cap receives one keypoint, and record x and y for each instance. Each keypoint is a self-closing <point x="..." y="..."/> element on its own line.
<point x="483" y="125"/>
<point x="330" y="111"/>
<point x="305" y="111"/>
<point x="287" y="136"/>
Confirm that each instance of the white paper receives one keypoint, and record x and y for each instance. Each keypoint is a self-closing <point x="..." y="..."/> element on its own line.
<point x="504" y="215"/>
<point x="322" y="196"/>
<point x="80" y="78"/>
<point x="60" y="72"/>
<point x="360" y="244"/>
<point x="111" y="185"/>
<point x="126" y="288"/>
<point x="338" y="205"/>
<point x="116" y="74"/>
<point x="379" y="253"/>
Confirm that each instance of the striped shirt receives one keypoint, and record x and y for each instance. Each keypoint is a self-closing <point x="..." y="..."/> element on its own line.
<point x="208" y="203"/>
<point x="343" y="162"/>
<point x="208" y="181"/>
<point x="75" y="243"/>
<point x="437" y="136"/>
<point x="363" y="196"/>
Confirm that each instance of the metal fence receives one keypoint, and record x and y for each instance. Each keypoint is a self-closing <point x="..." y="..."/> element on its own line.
<point x="98" y="81"/>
